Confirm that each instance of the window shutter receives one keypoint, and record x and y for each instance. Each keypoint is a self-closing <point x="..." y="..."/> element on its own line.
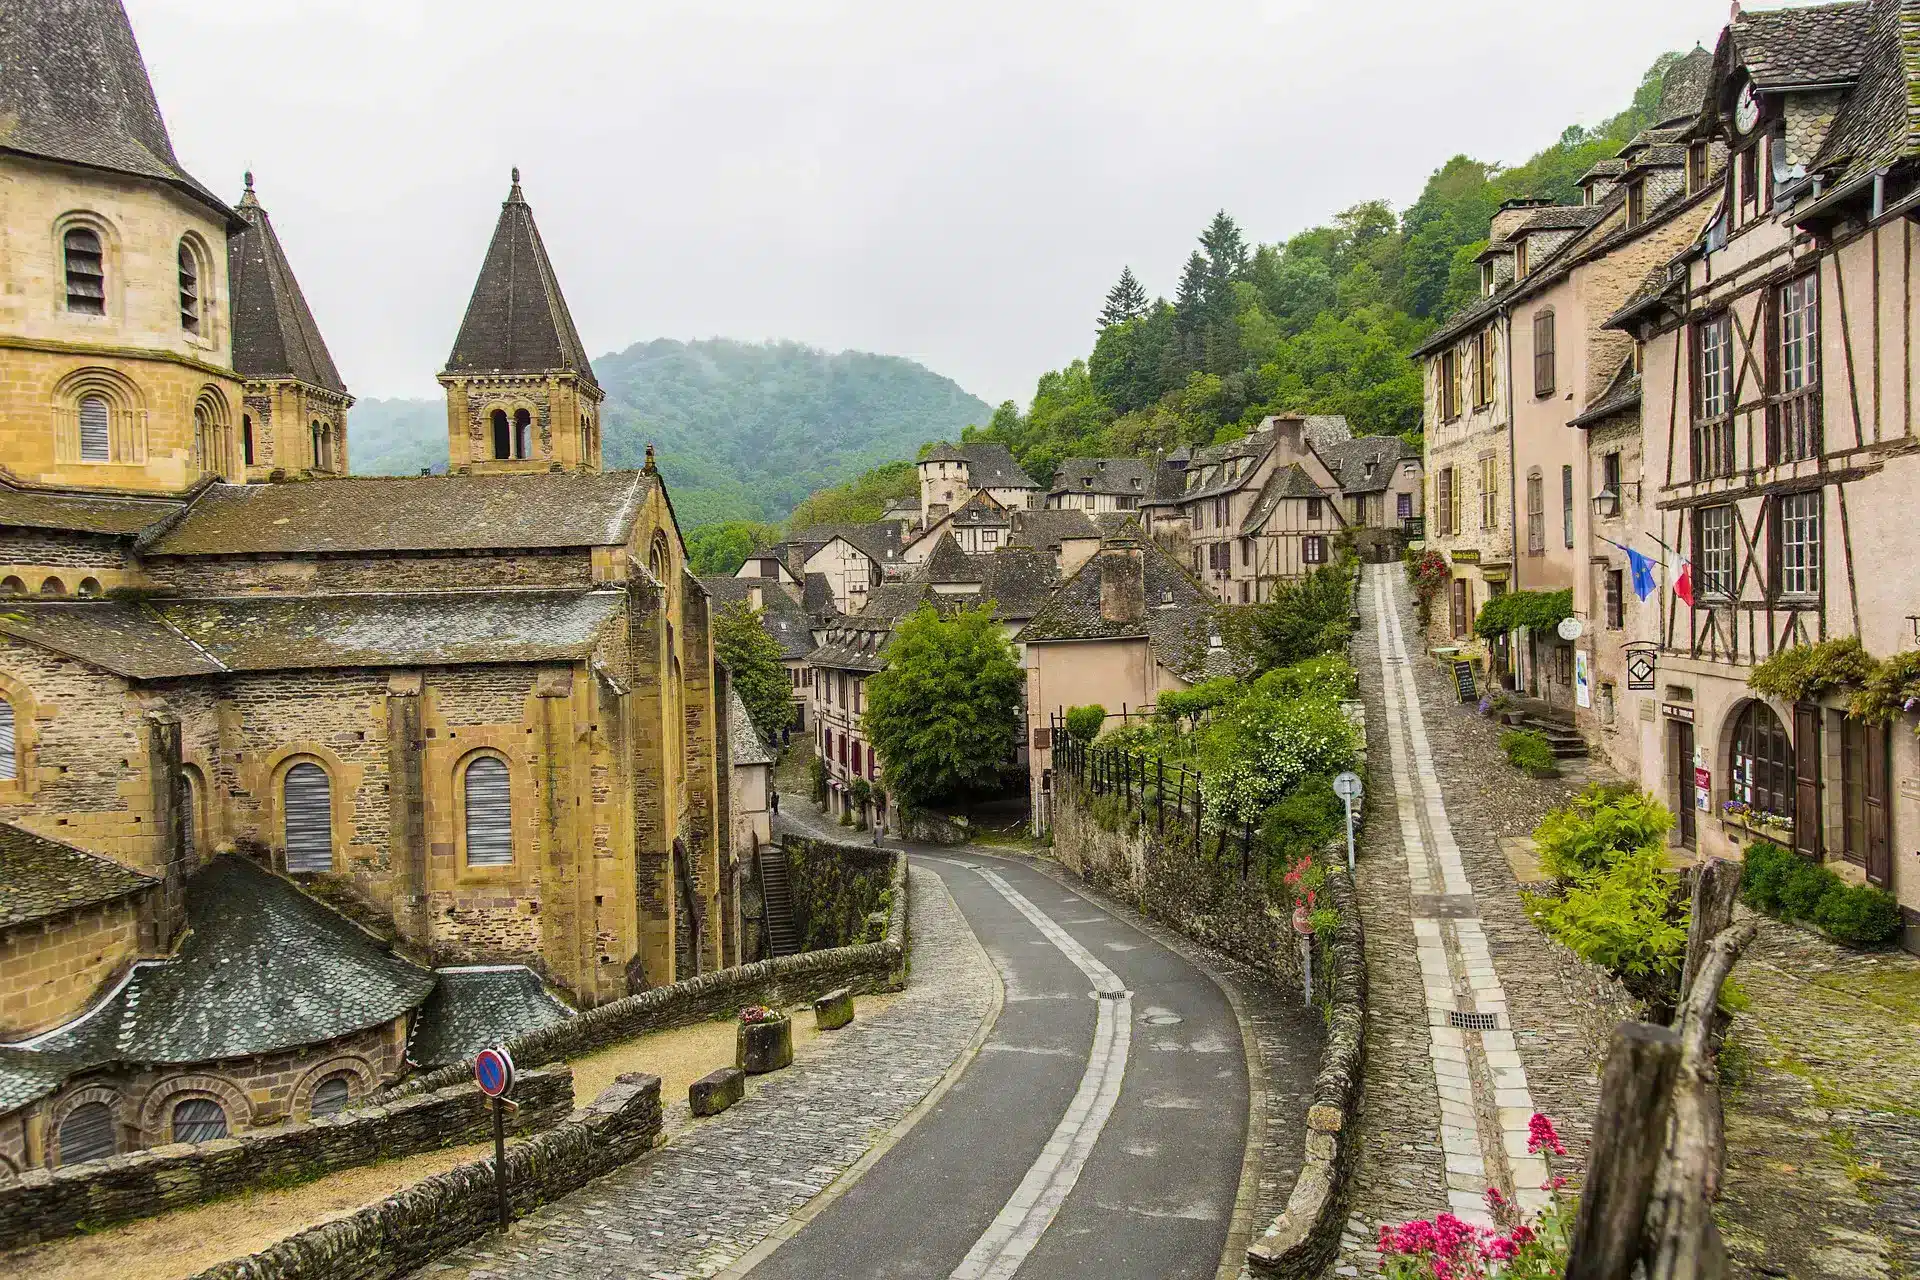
<point x="489" y="814"/>
<point x="96" y="434"/>
<point x="308" y="795"/>
<point x="199" y="1120"/>
<point x="331" y="1096"/>
<point x="9" y="762"/>
<point x="1543" y="354"/>
<point x="1879" y="844"/>
<point x="87" y="1133"/>
<point x="1806" y="780"/>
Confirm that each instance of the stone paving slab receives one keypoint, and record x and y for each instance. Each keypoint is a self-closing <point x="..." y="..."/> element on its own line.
<point x="719" y="1188"/>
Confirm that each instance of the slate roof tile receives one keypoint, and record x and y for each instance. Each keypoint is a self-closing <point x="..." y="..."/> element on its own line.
<point x="1044" y="529"/>
<point x="1350" y="461"/>
<point x="1177" y="622"/>
<point x="1879" y="122"/>
<point x="475" y="1008"/>
<point x="781" y="616"/>
<point x="274" y="333"/>
<point x="517" y="320"/>
<point x="1815" y="44"/>
<point x="30" y="508"/>
<point x="1131" y="477"/>
<point x="41" y="878"/>
<point x="1290" y="481"/>
<point x="744" y="743"/>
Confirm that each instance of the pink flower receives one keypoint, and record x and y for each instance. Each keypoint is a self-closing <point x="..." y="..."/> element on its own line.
<point x="1494" y="1199"/>
<point x="1554" y="1183"/>
<point x="1540" y="1133"/>
<point x="1522" y="1234"/>
<point x="1501" y="1249"/>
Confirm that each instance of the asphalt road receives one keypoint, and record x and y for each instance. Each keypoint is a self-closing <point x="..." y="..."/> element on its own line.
<point x="1099" y="1131"/>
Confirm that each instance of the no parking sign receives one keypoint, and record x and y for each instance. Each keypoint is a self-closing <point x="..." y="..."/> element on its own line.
<point x="493" y="1071"/>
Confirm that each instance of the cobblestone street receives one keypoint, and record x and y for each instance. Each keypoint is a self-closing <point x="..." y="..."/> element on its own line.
<point x="719" y="1188"/>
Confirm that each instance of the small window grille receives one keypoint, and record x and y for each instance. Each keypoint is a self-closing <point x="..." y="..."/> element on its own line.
<point x="199" y="1120"/>
<point x="309" y="818"/>
<point x="96" y="429"/>
<point x="87" y="1133"/>
<point x="1473" y="1021"/>
<point x="86" y="273"/>
<point x="489" y="814"/>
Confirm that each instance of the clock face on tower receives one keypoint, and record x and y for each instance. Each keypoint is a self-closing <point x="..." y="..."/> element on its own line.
<point x="1746" y="110"/>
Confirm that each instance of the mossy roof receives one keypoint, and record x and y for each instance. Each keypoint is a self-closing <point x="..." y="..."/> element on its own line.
<point x="42" y="878"/>
<point x="476" y="1008"/>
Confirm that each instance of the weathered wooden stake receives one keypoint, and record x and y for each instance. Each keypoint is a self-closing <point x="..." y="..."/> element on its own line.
<point x="1160" y="795"/>
<point x="1716" y="884"/>
<point x="1629" y="1135"/>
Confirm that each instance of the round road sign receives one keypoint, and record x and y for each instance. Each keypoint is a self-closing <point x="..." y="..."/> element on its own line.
<point x="1347" y="786"/>
<point x="493" y="1071"/>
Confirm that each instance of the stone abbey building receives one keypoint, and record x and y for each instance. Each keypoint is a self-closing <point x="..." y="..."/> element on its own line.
<point x="401" y="753"/>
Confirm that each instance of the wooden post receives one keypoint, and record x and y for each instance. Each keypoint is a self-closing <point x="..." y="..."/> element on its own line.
<point x="1198" y="809"/>
<point x="1716" y="883"/>
<point x="1160" y="795"/>
<point x="1629" y="1134"/>
<point x="1246" y="848"/>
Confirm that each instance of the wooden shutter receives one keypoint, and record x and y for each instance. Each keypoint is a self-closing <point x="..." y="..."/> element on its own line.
<point x="9" y="762"/>
<point x="308" y="796"/>
<point x="87" y="1133"/>
<point x="1543" y="354"/>
<point x="96" y="434"/>
<point x="199" y="1120"/>
<point x="1879" y="842"/>
<point x="489" y="814"/>
<point x="1459" y="618"/>
<point x="332" y="1095"/>
<point x="1806" y="780"/>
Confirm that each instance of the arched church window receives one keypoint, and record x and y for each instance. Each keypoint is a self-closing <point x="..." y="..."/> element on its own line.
<point x="489" y="806"/>
<point x="96" y="429"/>
<point x="9" y="756"/>
<point x="308" y="806"/>
<point x="199" y="1120"/>
<point x="502" y="434"/>
<point x="86" y="272"/>
<point x="87" y="1133"/>
<point x="189" y="288"/>
<point x="522" y="434"/>
<point x="246" y="438"/>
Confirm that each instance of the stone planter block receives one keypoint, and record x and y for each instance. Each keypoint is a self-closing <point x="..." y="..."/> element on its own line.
<point x="833" y="1010"/>
<point x="764" y="1046"/>
<point x="717" y="1090"/>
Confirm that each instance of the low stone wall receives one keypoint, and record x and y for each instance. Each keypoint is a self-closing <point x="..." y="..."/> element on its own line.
<point x="780" y="982"/>
<point x="1593" y="1000"/>
<point x="838" y="889"/>
<point x="48" y="1204"/>
<point x="419" y="1223"/>
<point x="1302" y="1241"/>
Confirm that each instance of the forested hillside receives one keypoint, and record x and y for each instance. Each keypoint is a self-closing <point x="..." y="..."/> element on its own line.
<point x="744" y="431"/>
<point x="1322" y="323"/>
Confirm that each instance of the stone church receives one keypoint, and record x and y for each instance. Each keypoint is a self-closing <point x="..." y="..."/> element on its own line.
<point x="340" y="736"/>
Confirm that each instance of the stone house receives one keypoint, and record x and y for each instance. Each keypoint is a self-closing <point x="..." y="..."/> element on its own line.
<point x="950" y="474"/>
<point x="749" y="783"/>
<point x="848" y="656"/>
<point x="1130" y="624"/>
<point x="474" y="713"/>
<point x="1380" y="490"/>
<point x="1102" y="484"/>
<point x="981" y="525"/>
<point x="1778" y="452"/>
<point x="851" y="559"/>
<point x="782" y="617"/>
<point x="1066" y="536"/>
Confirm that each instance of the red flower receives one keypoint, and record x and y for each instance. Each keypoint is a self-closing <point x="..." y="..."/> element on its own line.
<point x="1540" y="1133"/>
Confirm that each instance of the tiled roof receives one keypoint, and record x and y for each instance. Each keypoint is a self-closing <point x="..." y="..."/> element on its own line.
<point x="1646" y="298"/>
<point x="263" y="968"/>
<point x="856" y="643"/>
<point x="476" y="1008"/>
<point x="1622" y="394"/>
<point x="29" y="508"/>
<point x="944" y="452"/>
<point x="1463" y="321"/>
<point x="948" y="563"/>
<point x="878" y="541"/>
<point x="991" y="466"/>
<point x="1817" y="44"/>
<point x="1349" y="462"/>
<point x="1290" y="481"/>
<point x="1176" y="623"/>
<point x="888" y="603"/>
<point x="410" y="513"/>
<point x="166" y="638"/>
<point x="1605" y="169"/>
<point x="1129" y="476"/>
<point x="1019" y="580"/>
<point x="517" y="320"/>
<point x="1879" y="123"/>
<point x="1562" y="217"/>
<point x="980" y="511"/>
<point x="1043" y="529"/>
<point x="76" y="91"/>
<point x="40" y="878"/>
<point x="274" y="334"/>
<point x="1683" y="89"/>
<point x="781" y="616"/>
<point x="817" y="596"/>
<point x="743" y="740"/>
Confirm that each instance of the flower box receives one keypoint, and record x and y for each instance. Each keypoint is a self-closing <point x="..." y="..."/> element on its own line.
<point x="764" y="1044"/>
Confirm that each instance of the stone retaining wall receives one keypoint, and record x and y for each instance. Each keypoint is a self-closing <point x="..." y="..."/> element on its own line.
<point x="419" y="1223"/>
<point x="780" y="982"/>
<point x="837" y="890"/>
<point x="48" y="1204"/>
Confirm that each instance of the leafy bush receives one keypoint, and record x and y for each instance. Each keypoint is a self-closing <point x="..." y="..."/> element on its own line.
<point x="1084" y="723"/>
<point x="1601" y="823"/>
<point x="1329" y="675"/>
<point x="1809" y="670"/>
<point x="1530" y="753"/>
<point x="1891" y="688"/>
<point x="1627" y="918"/>
<point x="1537" y="611"/>
<point x="817" y="779"/>
<point x="1191" y="704"/>
<point x="1428" y="575"/>
<point x="1304" y="618"/>
<point x="1304" y="822"/>
<point x="1782" y="883"/>
<point x="1259" y="750"/>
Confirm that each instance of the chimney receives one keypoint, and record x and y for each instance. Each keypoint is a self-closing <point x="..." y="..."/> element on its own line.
<point x="1123" y="583"/>
<point x="1511" y="214"/>
<point x="1289" y="432"/>
<point x="754" y="598"/>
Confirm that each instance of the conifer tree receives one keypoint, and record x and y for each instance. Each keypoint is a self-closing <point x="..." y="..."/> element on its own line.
<point x="1125" y="301"/>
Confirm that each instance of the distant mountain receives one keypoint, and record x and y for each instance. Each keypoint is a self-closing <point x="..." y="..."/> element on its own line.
<point x="742" y="431"/>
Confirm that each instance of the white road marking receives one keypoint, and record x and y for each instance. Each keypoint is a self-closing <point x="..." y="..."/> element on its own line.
<point x="1026" y="1216"/>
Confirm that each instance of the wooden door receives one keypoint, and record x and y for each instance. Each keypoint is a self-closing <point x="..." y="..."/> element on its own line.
<point x="1806" y="781"/>
<point x="1680" y="752"/>
<point x="1459" y="618"/>
<point x="1853" y="791"/>
<point x="1879" y="810"/>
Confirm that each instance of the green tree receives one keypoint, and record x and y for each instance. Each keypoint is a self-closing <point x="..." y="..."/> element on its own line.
<point x="754" y="668"/>
<point x="1125" y="301"/>
<point x="723" y="548"/>
<point x="860" y="500"/>
<point x="943" y="714"/>
<point x="1304" y="619"/>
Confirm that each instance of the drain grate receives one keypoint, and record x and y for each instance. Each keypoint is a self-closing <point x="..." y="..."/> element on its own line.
<point x="1474" y="1021"/>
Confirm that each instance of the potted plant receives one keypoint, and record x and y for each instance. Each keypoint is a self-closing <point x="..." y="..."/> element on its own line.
<point x="764" y="1042"/>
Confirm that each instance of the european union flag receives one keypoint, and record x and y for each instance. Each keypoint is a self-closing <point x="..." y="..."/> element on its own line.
<point x="1642" y="566"/>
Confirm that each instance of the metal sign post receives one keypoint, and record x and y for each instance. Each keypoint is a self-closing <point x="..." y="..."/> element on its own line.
<point x="1348" y="787"/>
<point x="493" y="1072"/>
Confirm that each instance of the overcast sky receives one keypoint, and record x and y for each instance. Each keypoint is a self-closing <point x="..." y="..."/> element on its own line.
<point x="958" y="183"/>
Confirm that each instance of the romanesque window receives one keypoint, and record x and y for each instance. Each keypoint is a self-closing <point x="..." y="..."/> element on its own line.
<point x="1793" y="414"/>
<point x="246" y="438"/>
<point x="198" y="1120"/>
<point x="86" y="272"/>
<point x="9" y="757"/>
<point x="522" y="434"/>
<point x="502" y="434"/>
<point x="1797" y="544"/>
<point x="1713" y="398"/>
<point x="331" y="1095"/>
<point x="203" y="444"/>
<point x="1760" y="773"/>
<point x="307" y="801"/>
<point x="189" y="288"/>
<point x="96" y="429"/>
<point x="87" y="1133"/>
<point x="1713" y="550"/>
<point x="489" y="809"/>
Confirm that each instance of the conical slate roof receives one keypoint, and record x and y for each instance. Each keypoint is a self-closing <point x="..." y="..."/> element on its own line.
<point x="517" y="321"/>
<point x="274" y="335"/>
<point x="75" y="90"/>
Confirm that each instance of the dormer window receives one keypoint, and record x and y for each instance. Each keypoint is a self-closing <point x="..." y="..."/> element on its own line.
<point x="1520" y="260"/>
<point x="1486" y="279"/>
<point x="1636" y="202"/>
<point x="1696" y="167"/>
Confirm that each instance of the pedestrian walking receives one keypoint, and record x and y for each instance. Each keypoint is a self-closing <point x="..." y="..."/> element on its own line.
<point x="776" y="804"/>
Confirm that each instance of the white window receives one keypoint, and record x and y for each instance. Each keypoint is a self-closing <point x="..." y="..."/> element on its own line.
<point x="1800" y="544"/>
<point x="199" y="1120"/>
<point x="87" y="1133"/>
<point x="1313" y="549"/>
<point x="96" y="433"/>
<point x="1714" y="369"/>
<point x="489" y="814"/>
<point x="1715" y="550"/>
<point x="308" y="795"/>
